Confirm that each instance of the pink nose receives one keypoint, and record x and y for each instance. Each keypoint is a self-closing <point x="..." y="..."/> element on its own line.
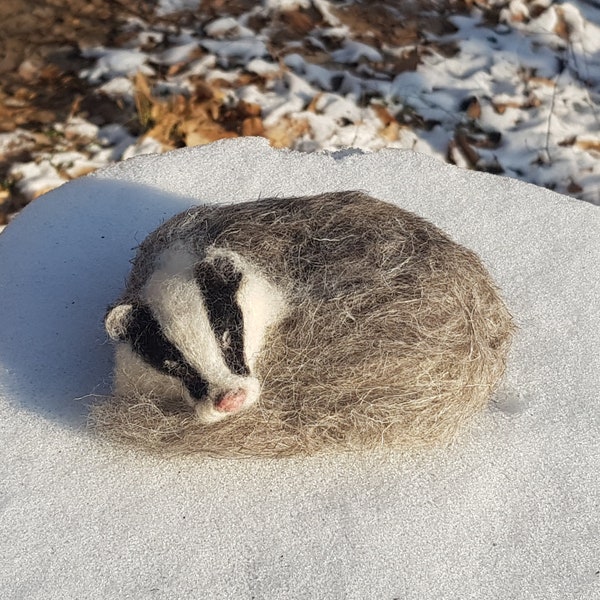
<point x="230" y="401"/>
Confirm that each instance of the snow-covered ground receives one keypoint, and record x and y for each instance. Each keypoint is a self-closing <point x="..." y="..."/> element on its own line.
<point x="509" y="512"/>
<point x="509" y="87"/>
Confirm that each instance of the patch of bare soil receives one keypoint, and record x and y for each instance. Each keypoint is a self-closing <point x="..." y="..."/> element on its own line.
<point x="40" y="44"/>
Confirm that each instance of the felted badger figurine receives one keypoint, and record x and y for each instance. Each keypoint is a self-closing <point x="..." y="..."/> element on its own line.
<point x="291" y="326"/>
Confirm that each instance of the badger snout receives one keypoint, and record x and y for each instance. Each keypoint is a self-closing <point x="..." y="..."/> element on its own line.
<point x="223" y="401"/>
<point x="210" y="410"/>
<point x="230" y="402"/>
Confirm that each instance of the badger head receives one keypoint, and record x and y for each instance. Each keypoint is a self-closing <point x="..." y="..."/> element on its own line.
<point x="195" y="332"/>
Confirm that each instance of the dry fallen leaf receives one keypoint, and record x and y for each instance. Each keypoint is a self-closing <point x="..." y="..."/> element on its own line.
<point x="286" y="132"/>
<point x="562" y="28"/>
<point x="466" y="149"/>
<point x="203" y="117"/>
<point x="391" y="128"/>
<point x="588" y="145"/>
<point x="474" y="109"/>
<point x="253" y="126"/>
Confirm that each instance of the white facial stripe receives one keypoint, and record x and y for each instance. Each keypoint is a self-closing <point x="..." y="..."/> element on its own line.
<point x="178" y="305"/>
<point x="261" y="304"/>
<point x="133" y="376"/>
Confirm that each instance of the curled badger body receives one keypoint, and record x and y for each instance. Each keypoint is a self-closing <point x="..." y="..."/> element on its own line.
<point x="290" y="326"/>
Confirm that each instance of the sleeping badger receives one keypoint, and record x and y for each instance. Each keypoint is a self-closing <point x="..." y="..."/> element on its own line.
<point x="296" y="325"/>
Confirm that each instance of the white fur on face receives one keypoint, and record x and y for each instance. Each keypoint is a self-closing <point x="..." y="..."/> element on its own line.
<point x="133" y="376"/>
<point x="177" y="303"/>
<point x="262" y="303"/>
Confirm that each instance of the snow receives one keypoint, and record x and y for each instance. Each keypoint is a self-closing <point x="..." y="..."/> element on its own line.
<point x="284" y="5"/>
<point x="509" y="512"/>
<point x="352" y="52"/>
<point x="240" y="50"/>
<point x="166" y="7"/>
<point x="36" y="178"/>
<point x="227" y="26"/>
<point x="177" y="54"/>
<point x="115" y="63"/>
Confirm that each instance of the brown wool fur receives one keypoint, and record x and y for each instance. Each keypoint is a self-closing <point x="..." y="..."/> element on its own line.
<point x="395" y="335"/>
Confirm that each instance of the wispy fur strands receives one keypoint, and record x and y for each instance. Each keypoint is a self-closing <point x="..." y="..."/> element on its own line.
<point x="394" y="335"/>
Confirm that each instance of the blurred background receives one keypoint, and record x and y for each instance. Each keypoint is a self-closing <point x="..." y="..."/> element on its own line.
<point x="508" y="87"/>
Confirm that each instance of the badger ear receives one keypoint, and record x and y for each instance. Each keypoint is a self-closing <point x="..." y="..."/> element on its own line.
<point x="117" y="321"/>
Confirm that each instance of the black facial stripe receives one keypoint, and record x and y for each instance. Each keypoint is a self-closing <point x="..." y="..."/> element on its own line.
<point x="196" y="386"/>
<point x="219" y="282"/>
<point x="149" y="342"/>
